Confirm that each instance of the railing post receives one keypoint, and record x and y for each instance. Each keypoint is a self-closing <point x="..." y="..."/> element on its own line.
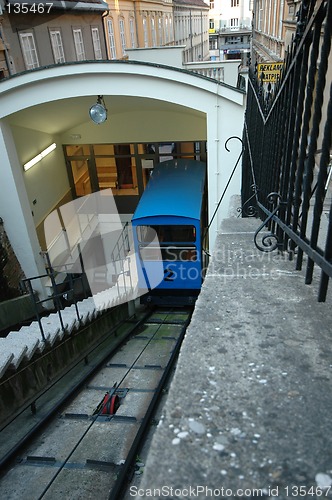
<point x="56" y="302"/>
<point x="32" y="295"/>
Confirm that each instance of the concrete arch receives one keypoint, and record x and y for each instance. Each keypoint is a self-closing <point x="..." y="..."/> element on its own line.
<point x="144" y="100"/>
<point x="113" y="78"/>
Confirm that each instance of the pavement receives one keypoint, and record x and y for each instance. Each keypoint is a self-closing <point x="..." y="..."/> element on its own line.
<point x="248" y="413"/>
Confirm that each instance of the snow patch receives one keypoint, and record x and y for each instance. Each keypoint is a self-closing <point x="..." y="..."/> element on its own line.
<point x="323" y="481"/>
<point x="218" y="447"/>
<point x="196" y="426"/>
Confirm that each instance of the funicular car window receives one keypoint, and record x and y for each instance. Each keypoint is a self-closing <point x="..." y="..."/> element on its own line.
<point x="175" y="242"/>
<point x="169" y="234"/>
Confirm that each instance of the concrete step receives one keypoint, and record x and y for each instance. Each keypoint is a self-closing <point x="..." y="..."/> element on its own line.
<point x="22" y="344"/>
<point x="18" y="349"/>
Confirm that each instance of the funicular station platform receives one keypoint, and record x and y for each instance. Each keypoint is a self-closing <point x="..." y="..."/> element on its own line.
<point x="248" y="411"/>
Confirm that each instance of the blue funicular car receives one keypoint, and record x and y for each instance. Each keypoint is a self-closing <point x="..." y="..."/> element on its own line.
<point x="168" y="227"/>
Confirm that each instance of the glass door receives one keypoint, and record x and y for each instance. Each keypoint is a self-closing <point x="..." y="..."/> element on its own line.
<point x="81" y="177"/>
<point x="78" y="157"/>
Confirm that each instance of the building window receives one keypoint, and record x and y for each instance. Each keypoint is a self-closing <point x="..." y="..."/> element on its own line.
<point x="160" y="31"/>
<point x="29" y="50"/>
<point x="259" y="18"/>
<point x="211" y="24"/>
<point x="211" y="4"/>
<point x="184" y="28"/>
<point x="145" y="32"/>
<point x="94" y="167"/>
<point x="166" y="31"/>
<point x="153" y="32"/>
<point x="111" y="38"/>
<point x="96" y="43"/>
<point x="234" y="39"/>
<point x="122" y="36"/>
<point x="57" y="47"/>
<point x="132" y="32"/>
<point x="234" y="23"/>
<point x="234" y="3"/>
<point x="79" y="45"/>
<point x="280" y="20"/>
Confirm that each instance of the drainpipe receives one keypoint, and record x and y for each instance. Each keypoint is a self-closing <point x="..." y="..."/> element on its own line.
<point x="104" y="15"/>
<point x="202" y="38"/>
<point x="136" y="22"/>
<point x="191" y="36"/>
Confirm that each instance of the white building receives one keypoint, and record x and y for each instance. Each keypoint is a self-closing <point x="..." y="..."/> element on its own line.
<point x="230" y="29"/>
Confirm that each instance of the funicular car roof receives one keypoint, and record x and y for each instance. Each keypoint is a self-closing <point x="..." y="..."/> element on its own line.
<point x="175" y="189"/>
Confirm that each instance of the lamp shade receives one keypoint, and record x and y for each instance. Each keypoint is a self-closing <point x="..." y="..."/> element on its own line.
<point x="98" y="113"/>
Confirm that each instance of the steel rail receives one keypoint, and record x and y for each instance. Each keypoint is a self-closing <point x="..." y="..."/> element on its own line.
<point x="121" y="481"/>
<point x="123" y="476"/>
<point x="10" y="455"/>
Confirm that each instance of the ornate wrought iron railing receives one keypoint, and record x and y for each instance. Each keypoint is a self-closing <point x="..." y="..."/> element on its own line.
<point x="287" y="149"/>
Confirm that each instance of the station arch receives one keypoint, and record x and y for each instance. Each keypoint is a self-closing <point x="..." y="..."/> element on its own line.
<point x="147" y="104"/>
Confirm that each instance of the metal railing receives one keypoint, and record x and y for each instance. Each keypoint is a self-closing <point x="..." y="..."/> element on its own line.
<point x="287" y="149"/>
<point x="55" y="298"/>
<point x="121" y="261"/>
<point x="122" y="278"/>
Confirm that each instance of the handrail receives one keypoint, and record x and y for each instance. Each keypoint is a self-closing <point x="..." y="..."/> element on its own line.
<point x="55" y="297"/>
<point x="286" y="166"/>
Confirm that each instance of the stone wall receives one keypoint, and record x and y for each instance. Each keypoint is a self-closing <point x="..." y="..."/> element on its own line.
<point x="10" y="269"/>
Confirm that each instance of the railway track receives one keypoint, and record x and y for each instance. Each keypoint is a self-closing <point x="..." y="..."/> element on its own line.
<point x="88" y="450"/>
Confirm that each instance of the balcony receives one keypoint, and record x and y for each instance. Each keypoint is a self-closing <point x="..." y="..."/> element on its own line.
<point x="240" y="47"/>
<point x="239" y="30"/>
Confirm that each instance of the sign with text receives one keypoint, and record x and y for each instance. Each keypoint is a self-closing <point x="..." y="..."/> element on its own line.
<point x="269" y="71"/>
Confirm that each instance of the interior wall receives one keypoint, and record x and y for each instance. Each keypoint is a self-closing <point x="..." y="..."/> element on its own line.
<point x="15" y="209"/>
<point x="46" y="182"/>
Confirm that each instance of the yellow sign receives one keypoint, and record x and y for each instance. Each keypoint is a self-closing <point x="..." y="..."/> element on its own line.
<point x="269" y="71"/>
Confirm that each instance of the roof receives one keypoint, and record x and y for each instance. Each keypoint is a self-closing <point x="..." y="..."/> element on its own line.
<point x="192" y="3"/>
<point x="175" y="189"/>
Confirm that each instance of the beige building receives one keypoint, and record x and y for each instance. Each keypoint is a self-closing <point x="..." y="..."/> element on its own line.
<point x="95" y="30"/>
<point x="56" y="34"/>
<point x="274" y="25"/>
<point x="134" y="24"/>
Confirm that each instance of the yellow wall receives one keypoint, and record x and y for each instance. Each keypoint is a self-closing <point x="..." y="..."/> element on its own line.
<point x="126" y="9"/>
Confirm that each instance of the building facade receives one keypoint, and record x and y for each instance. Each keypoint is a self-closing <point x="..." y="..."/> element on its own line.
<point x="52" y="35"/>
<point x="67" y="32"/>
<point x="274" y="25"/>
<point x="132" y="24"/>
<point x="191" y="21"/>
<point x="230" y="29"/>
<point x="147" y="24"/>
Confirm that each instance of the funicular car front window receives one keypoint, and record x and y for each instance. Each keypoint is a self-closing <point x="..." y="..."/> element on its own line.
<point x="175" y="242"/>
<point x="167" y="234"/>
